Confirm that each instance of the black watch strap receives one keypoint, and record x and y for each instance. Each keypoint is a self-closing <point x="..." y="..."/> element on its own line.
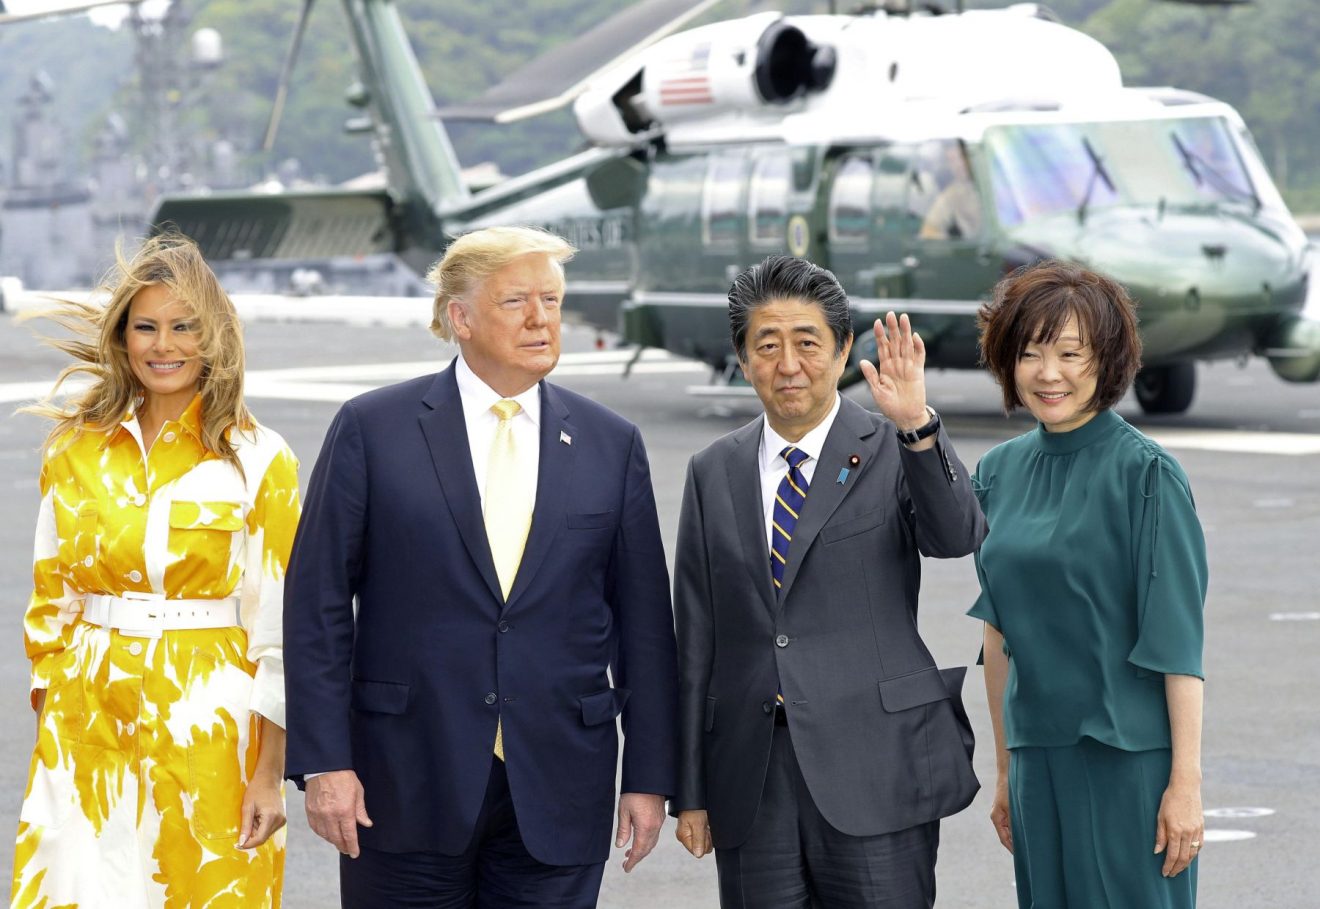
<point x="913" y="436"/>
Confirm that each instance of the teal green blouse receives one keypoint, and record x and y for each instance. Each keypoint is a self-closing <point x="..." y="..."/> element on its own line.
<point x="1094" y="571"/>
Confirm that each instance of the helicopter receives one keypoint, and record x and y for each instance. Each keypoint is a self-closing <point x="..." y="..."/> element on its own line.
<point x="920" y="154"/>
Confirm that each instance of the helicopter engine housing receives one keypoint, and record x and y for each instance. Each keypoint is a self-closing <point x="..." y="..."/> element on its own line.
<point x="747" y="65"/>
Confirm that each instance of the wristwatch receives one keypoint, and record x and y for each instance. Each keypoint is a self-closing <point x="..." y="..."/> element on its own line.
<point x="913" y="436"/>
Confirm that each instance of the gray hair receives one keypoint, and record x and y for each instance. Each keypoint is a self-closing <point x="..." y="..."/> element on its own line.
<point x="474" y="257"/>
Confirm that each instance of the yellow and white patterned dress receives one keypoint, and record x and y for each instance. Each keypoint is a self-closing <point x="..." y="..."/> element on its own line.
<point x="146" y="744"/>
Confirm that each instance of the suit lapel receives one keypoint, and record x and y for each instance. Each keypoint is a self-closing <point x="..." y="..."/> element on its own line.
<point x="451" y="455"/>
<point x="848" y="436"/>
<point x="743" y="468"/>
<point x="553" y="479"/>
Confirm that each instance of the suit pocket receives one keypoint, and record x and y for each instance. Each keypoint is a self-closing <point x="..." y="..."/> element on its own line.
<point x="842" y="530"/>
<point x="904" y="692"/>
<point x="380" y="697"/>
<point x="710" y="714"/>
<point x="590" y="521"/>
<point x="603" y="706"/>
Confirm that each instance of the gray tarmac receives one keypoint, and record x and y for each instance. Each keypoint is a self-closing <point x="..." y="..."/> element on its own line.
<point x="1251" y="446"/>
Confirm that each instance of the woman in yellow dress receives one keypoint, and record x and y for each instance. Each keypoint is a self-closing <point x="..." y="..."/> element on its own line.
<point x="154" y="629"/>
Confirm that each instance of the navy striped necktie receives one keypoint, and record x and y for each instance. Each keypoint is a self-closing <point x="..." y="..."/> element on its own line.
<point x="789" y="499"/>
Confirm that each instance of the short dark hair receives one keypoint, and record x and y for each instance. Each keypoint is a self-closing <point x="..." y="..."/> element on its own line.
<point x="787" y="278"/>
<point x="1030" y="307"/>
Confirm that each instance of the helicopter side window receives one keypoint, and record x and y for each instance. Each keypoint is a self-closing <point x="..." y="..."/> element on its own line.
<point x="721" y="210"/>
<point x="768" y="200"/>
<point x="943" y="195"/>
<point x="850" y="201"/>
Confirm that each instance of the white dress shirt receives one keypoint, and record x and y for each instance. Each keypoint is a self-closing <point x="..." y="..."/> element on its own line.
<point x="774" y="467"/>
<point x="477" y="398"/>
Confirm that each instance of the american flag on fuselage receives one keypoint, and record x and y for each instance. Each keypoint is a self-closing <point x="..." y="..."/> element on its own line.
<point x="686" y="79"/>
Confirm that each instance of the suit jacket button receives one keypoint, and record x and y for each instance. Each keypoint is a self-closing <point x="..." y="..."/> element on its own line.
<point x="781" y="641"/>
<point x="768" y="707"/>
<point x="503" y="627"/>
<point x="491" y="698"/>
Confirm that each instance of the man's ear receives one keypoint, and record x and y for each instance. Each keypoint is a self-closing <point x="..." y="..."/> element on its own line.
<point x="742" y="364"/>
<point x="847" y="348"/>
<point x="458" y="319"/>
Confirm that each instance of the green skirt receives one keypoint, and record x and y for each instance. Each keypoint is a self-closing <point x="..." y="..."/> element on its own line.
<point x="1083" y="820"/>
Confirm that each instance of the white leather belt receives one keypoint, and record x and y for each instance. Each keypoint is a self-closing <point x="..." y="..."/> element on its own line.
<point x="148" y="615"/>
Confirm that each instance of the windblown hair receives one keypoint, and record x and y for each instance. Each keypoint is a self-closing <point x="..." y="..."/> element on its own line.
<point x="787" y="278"/>
<point x="474" y="257"/>
<point x="98" y="346"/>
<point x="1031" y="305"/>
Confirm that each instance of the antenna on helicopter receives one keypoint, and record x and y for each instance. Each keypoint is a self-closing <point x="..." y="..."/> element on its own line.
<point x="286" y="74"/>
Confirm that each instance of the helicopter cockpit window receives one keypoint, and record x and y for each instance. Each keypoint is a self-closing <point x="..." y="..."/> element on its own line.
<point x="768" y="200"/>
<point x="721" y="209"/>
<point x="942" y="194"/>
<point x="1077" y="168"/>
<point x="1207" y="152"/>
<point x="850" y="201"/>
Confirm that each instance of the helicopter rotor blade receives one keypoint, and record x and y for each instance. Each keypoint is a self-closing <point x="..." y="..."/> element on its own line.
<point x="556" y="78"/>
<point x="286" y="74"/>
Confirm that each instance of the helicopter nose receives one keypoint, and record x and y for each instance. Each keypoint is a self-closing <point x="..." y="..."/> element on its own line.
<point x="1206" y="284"/>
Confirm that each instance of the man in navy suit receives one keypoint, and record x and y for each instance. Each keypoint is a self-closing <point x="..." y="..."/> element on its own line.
<point x="455" y="730"/>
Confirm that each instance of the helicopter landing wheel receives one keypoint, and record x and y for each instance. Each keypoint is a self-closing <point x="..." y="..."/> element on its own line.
<point x="1166" y="389"/>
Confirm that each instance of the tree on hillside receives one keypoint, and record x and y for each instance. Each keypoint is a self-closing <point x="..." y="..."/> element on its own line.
<point x="1259" y="58"/>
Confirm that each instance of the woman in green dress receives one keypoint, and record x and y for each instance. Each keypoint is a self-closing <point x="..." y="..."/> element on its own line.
<point x="1093" y="582"/>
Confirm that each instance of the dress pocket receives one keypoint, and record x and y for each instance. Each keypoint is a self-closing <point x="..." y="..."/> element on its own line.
<point x="202" y="539"/>
<point x="65" y="712"/>
<point x="219" y="761"/>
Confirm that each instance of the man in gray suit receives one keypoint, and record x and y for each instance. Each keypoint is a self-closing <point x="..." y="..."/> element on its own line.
<point x="820" y="745"/>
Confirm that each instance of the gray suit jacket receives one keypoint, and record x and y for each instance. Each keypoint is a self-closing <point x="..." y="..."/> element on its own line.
<point x="880" y="732"/>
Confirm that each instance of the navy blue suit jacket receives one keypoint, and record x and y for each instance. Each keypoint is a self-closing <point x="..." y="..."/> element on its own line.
<point x="408" y="691"/>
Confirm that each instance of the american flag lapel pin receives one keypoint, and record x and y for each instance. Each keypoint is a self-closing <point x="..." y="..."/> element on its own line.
<point x="565" y="438"/>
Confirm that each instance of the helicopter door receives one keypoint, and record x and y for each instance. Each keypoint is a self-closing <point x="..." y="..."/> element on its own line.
<point x="864" y="214"/>
<point x="848" y="220"/>
<point x="946" y="261"/>
<point x="781" y="204"/>
<point x="724" y="216"/>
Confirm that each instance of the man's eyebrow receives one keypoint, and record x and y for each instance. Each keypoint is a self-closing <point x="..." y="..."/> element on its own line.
<point x="805" y="328"/>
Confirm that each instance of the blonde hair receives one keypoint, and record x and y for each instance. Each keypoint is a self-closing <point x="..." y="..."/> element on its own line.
<point x="474" y="257"/>
<point x="175" y="262"/>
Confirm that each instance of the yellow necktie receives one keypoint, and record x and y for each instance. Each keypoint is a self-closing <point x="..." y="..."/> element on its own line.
<point x="508" y="505"/>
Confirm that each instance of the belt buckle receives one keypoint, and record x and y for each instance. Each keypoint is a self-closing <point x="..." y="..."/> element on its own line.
<point x="153" y="612"/>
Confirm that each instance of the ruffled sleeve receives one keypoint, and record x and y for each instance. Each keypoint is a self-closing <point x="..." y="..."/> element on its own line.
<point x="1171" y="575"/>
<point x="984" y="607"/>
